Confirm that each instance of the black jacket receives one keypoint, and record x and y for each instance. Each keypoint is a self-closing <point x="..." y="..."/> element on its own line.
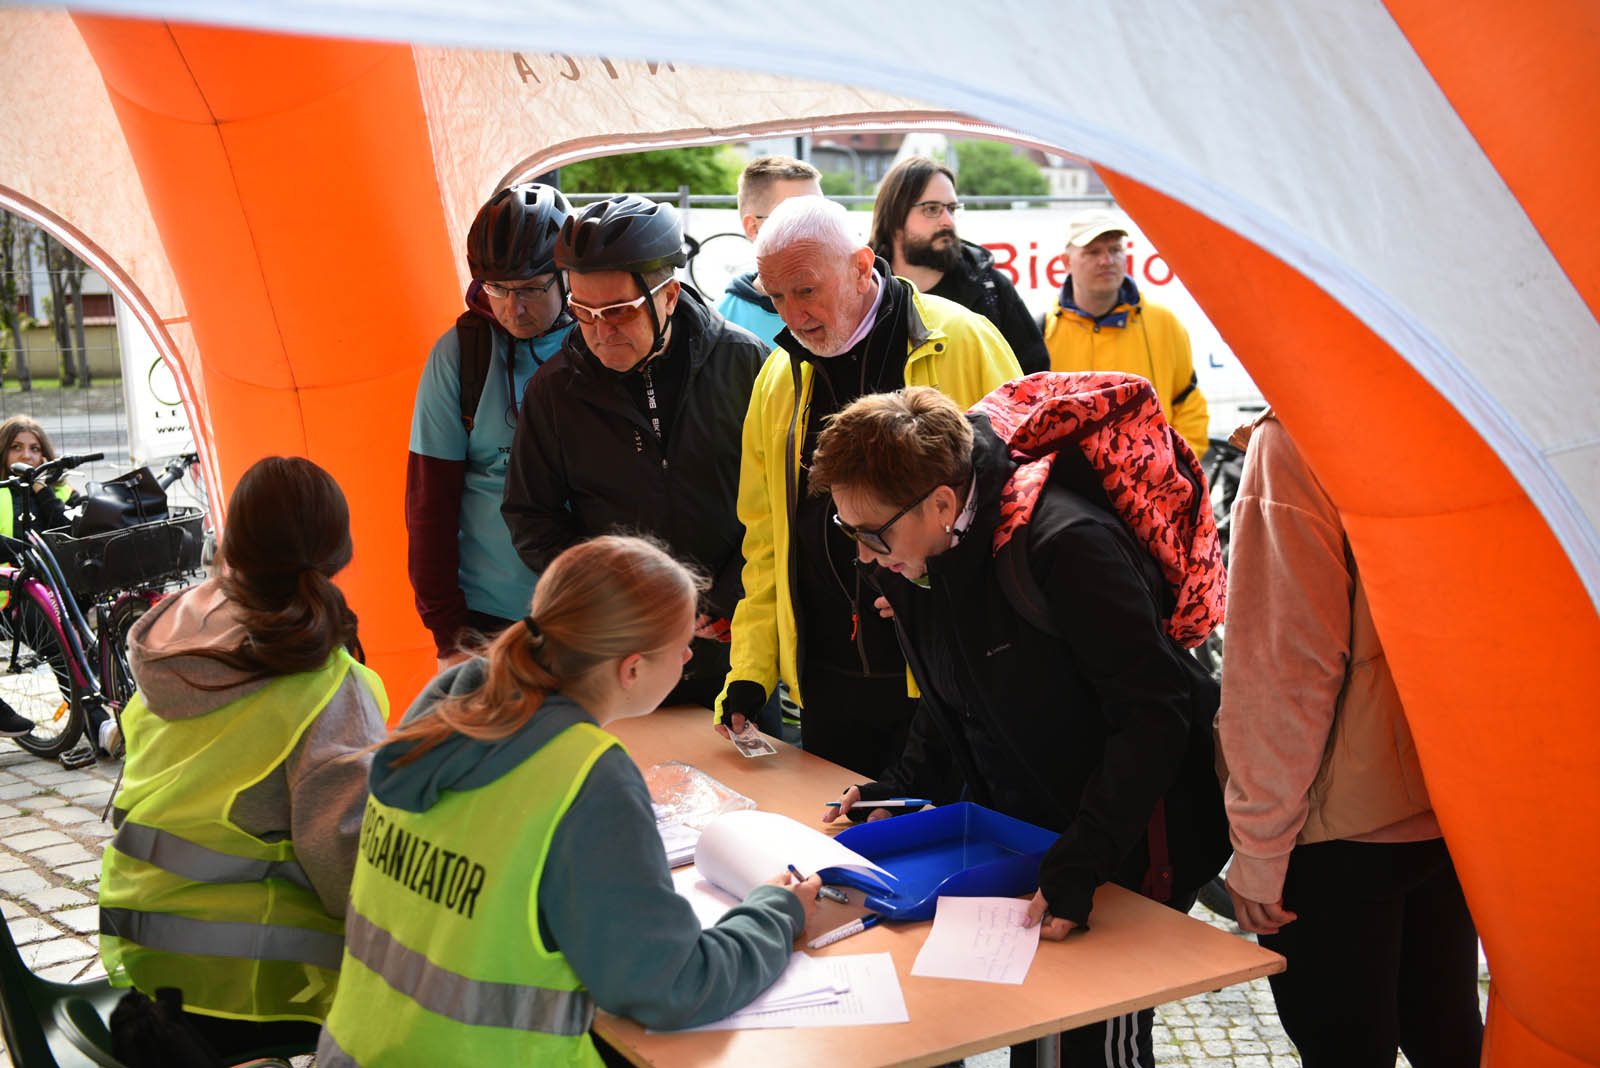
<point x="1082" y="733"/>
<point x="977" y="286"/>
<point x="585" y="461"/>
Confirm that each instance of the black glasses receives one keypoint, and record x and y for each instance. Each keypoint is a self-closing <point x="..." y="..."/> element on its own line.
<point x="874" y="539"/>
<point x="932" y="209"/>
<point x="503" y="292"/>
<point x="615" y="314"/>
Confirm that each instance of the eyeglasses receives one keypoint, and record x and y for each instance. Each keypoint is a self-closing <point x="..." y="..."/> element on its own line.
<point x="615" y="314"/>
<point x="874" y="539"/>
<point x="504" y="292"/>
<point x="932" y="209"/>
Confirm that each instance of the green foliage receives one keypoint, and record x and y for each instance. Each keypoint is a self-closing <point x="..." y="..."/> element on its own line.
<point x="839" y="184"/>
<point x="704" y="169"/>
<point x="988" y="168"/>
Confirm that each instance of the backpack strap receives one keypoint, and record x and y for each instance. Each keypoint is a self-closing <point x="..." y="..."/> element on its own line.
<point x="1194" y="384"/>
<point x="475" y="342"/>
<point x="1015" y="572"/>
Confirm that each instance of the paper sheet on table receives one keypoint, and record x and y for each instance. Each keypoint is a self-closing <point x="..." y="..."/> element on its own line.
<point x="979" y="938"/>
<point x="872" y="996"/>
<point x="708" y="902"/>
<point x="741" y="850"/>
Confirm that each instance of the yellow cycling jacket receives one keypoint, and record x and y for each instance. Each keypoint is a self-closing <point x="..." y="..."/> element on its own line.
<point x="1142" y="339"/>
<point x="949" y="348"/>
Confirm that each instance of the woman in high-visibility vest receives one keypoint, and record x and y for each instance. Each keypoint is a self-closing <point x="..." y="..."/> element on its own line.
<point x="511" y="876"/>
<point x="23" y="441"/>
<point x="248" y="746"/>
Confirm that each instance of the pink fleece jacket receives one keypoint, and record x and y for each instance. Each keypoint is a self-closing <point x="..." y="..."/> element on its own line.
<point x="1311" y="725"/>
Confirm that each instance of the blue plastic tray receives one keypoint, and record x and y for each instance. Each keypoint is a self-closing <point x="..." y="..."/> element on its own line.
<point x="961" y="850"/>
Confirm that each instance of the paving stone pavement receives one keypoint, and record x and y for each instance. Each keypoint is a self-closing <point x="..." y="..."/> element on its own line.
<point x="51" y="838"/>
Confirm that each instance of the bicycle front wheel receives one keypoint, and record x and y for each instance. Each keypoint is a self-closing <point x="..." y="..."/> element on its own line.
<point x="37" y="682"/>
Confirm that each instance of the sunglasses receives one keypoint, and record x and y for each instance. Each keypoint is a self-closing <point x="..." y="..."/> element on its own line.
<point x="615" y="314"/>
<point x="874" y="538"/>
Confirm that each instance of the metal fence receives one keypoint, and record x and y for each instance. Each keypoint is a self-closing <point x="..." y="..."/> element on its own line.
<point x="685" y="199"/>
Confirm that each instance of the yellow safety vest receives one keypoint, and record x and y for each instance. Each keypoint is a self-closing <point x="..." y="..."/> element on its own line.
<point x="8" y="520"/>
<point x="189" y="899"/>
<point x="443" y="958"/>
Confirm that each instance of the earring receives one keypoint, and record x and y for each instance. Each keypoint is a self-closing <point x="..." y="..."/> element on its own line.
<point x="948" y="529"/>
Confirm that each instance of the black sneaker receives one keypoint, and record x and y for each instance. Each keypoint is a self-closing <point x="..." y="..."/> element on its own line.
<point x="11" y="724"/>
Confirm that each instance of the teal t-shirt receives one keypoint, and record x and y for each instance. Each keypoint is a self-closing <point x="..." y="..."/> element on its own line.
<point x="754" y="318"/>
<point x="493" y="577"/>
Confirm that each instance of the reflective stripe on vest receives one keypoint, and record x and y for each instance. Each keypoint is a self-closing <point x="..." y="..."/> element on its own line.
<point x="331" y="1055"/>
<point x="210" y="938"/>
<point x="479" y="1002"/>
<point x="195" y="862"/>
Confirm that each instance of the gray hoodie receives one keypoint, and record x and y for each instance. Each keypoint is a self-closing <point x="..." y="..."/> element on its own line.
<point x="317" y="795"/>
<point x="606" y="898"/>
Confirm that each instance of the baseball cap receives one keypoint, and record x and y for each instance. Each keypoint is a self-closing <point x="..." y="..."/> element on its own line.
<point x="1085" y="226"/>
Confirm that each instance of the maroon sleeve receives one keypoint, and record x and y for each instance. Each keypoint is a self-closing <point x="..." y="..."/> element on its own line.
<point x="433" y="550"/>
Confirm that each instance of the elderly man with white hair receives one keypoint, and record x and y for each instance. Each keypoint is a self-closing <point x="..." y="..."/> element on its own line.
<point x="852" y="328"/>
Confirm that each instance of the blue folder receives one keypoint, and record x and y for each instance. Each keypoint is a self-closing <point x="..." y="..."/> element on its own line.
<point x="961" y="850"/>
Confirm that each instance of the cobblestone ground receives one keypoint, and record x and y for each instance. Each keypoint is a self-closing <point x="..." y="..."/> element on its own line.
<point x="51" y="838"/>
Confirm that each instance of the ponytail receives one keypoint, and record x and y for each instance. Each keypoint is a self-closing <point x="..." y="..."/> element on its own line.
<point x="599" y="600"/>
<point x="288" y="534"/>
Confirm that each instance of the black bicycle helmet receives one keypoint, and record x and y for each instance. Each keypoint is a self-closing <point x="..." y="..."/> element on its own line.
<point x="626" y="233"/>
<point x="514" y="236"/>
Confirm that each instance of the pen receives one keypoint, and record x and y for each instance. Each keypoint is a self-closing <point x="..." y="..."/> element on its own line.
<point x="853" y="927"/>
<point x="796" y="873"/>
<point x="891" y="802"/>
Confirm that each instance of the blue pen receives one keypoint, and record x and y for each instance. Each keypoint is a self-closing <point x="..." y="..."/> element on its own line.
<point x="796" y="873"/>
<point x="890" y="802"/>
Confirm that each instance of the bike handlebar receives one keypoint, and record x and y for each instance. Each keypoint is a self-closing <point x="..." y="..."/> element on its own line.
<point x="176" y="467"/>
<point x="26" y="476"/>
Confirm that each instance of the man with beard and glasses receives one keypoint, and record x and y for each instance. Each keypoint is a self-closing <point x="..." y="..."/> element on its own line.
<point x="914" y="228"/>
<point x="1102" y="323"/>
<point x="806" y="617"/>
<point x="634" y="425"/>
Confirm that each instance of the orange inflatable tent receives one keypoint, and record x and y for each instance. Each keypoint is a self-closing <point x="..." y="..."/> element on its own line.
<point x="1385" y="208"/>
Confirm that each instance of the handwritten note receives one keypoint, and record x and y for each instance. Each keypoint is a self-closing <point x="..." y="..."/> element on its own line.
<point x="978" y="938"/>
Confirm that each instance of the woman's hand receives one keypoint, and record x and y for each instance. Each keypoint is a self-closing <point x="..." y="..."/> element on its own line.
<point x="1259" y="917"/>
<point x="805" y="890"/>
<point x="1053" y="928"/>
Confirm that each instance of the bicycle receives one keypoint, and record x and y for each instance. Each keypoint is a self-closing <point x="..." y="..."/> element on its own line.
<point x="1223" y="466"/>
<point x="56" y="664"/>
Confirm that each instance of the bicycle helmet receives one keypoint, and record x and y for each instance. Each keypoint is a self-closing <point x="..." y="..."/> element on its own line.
<point x="514" y="235"/>
<point x="625" y="233"/>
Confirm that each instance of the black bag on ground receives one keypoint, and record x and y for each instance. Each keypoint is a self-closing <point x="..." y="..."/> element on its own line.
<point x="155" y="1034"/>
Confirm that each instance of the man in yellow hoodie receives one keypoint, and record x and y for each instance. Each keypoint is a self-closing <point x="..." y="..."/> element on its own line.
<point x="1102" y="323"/>
<point x="852" y="328"/>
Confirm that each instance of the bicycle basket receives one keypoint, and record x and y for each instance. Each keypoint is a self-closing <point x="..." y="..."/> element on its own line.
<point x="150" y="554"/>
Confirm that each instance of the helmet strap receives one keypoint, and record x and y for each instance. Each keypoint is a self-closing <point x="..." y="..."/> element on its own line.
<point x="656" y="324"/>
